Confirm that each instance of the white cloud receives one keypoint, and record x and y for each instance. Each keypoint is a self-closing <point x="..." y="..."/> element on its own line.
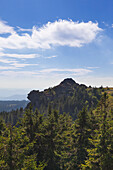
<point x="6" y="68"/>
<point x="93" y="67"/>
<point x="13" y="64"/>
<point x="20" y="56"/>
<point x="107" y="25"/>
<point x="66" y="33"/>
<point x="27" y="79"/>
<point x="15" y="41"/>
<point x="23" y="29"/>
<point x="7" y="61"/>
<point x="4" y="28"/>
<point x="15" y="74"/>
<point x="61" y="33"/>
<point x="68" y="71"/>
<point x="54" y="56"/>
<point x="46" y="72"/>
<point x="19" y="65"/>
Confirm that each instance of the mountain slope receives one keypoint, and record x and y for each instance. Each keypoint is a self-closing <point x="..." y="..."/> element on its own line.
<point x="68" y="96"/>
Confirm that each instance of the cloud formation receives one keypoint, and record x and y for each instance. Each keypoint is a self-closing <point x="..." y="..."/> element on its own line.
<point x="7" y="61"/>
<point x="21" y="56"/>
<point x="38" y="79"/>
<point x="13" y="64"/>
<point x="48" y="72"/>
<point x="58" y="33"/>
<point x="23" y="29"/>
<point x="79" y="71"/>
<point x="18" y="46"/>
<point x="53" y="56"/>
<point x="66" y="33"/>
<point x="4" y="28"/>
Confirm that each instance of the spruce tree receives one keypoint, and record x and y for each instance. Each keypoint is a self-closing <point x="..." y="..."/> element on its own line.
<point x="101" y="155"/>
<point x="80" y="139"/>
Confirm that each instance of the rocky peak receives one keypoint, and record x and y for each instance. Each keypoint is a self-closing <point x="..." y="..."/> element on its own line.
<point x="69" y="81"/>
<point x="65" y="88"/>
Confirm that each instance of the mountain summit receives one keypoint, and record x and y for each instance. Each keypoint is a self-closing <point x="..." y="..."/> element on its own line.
<point x="68" y="81"/>
<point x="49" y="94"/>
<point x="68" y="96"/>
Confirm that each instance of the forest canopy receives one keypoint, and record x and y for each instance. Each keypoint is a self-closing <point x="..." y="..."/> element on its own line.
<point x="48" y="138"/>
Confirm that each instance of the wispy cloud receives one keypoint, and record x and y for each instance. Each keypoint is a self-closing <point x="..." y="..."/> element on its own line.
<point x="60" y="33"/>
<point x="12" y="73"/>
<point x="13" y="64"/>
<point x="6" y="68"/>
<point x="106" y="24"/>
<point x="23" y="29"/>
<point x="54" y="56"/>
<point x="38" y="79"/>
<point x="4" y="28"/>
<point x="20" y="65"/>
<point x="6" y="61"/>
<point x="92" y="67"/>
<point x="20" y="56"/>
<point x="47" y="72"/>
<point x="80" y="71"/>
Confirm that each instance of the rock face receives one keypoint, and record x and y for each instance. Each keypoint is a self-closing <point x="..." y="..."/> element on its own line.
<point x="66" y="87"/>
<point x="68" y="96"/>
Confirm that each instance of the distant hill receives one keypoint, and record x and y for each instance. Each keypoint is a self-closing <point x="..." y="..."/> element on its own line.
<point x="14" y="97"/>
<point x="68" y="96"/>
<point x="12" y="105"/>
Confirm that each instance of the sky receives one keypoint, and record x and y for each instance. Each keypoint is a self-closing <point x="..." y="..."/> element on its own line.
<point x="43" y="42"/>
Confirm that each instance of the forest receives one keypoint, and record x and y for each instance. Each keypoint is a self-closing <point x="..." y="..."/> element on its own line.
<point x="54" y="140"/>
<point x="10" y="105"/>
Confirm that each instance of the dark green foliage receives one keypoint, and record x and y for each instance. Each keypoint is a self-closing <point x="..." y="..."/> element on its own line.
<point x="54" y="141"/>
<point x="81" y="135"/>
<point x="12" y="117"/>
<point x="101" y="154"/>
<point x="17" y="144"/>
<point x="68" y="97"/>
<point x="8" y="106"/>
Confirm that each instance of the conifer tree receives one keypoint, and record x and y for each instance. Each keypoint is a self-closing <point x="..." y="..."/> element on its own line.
<point x="101" y="155"/>
<point x="51" y="130"/>
<point x="64" y="140"/>
<point x="80" y="139"/>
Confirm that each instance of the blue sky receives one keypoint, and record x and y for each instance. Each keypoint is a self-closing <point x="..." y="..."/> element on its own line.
<point x="44" y="41"/>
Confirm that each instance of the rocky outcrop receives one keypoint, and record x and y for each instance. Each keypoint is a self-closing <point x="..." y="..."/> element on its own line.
<point x="68" y="96"/>
<point x="65" y="88"/>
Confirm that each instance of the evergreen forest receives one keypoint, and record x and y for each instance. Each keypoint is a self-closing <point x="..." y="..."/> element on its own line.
<point x="55" y="139"/>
